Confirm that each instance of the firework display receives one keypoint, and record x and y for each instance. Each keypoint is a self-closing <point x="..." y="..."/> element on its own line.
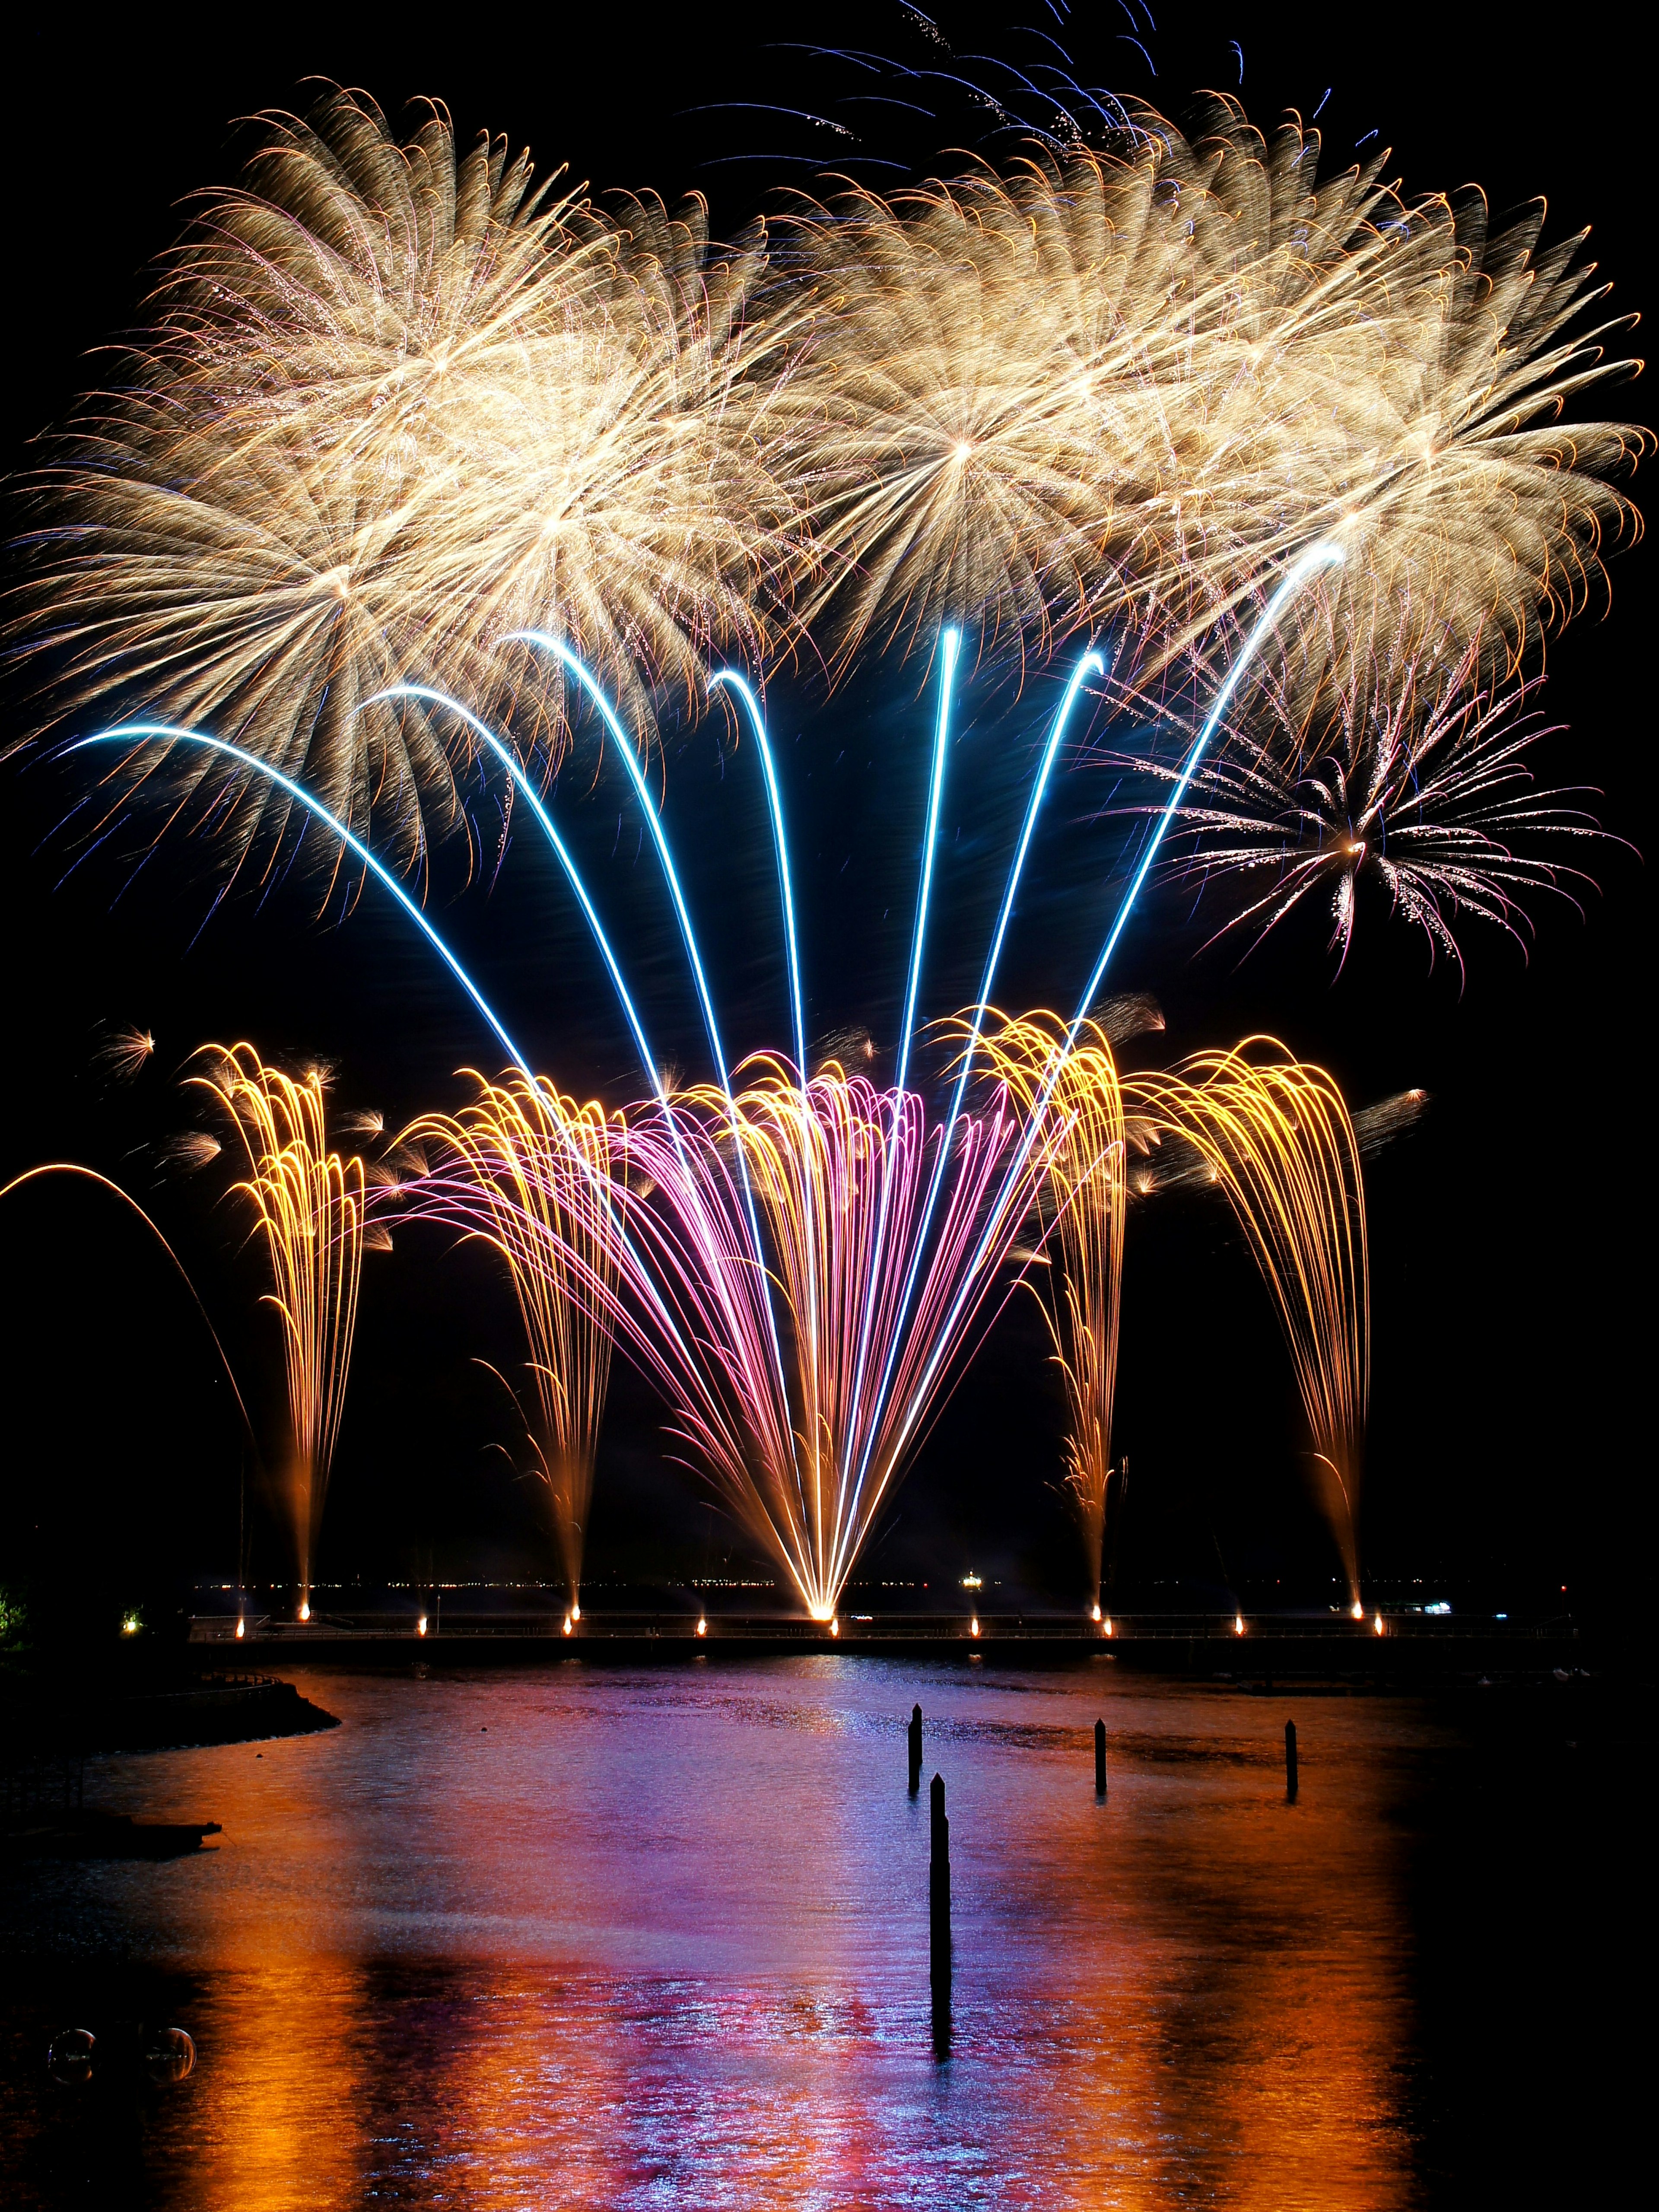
<point x="420" y="462"/>
<point x="309" y="1217"/>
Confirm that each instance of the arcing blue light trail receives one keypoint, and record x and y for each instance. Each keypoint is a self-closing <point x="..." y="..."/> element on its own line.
<point x="141" y="733"/>
<point x="522" y="783"/>
<point x="785" y="888"/>
<point x="545" y="643"/>
<point x="950" y="647"/>
<point x="132" y="732"/>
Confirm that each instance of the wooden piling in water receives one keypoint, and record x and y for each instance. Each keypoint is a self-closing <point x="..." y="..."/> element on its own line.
<point x="1290" y="1760"/>
<point x="915" y="1733"/>
<point x="1100" y="1759"/>
<point x="939" y="1893"/>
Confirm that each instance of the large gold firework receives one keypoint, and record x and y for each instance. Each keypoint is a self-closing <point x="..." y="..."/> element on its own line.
<point x="397" y="403"/>
<point x="1274" y="1134"/>
<point x="531" y="1170"/>
<point x="308" y="1213"/>
<point x="1130" y="388"/>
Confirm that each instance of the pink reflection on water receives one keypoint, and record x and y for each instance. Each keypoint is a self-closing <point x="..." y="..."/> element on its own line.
<point x="586" y="1937"/>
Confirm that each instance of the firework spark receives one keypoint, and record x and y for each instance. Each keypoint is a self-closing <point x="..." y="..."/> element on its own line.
<point x="307" y="1205"/>
<point x="534" y="1170"/>
<point x="126" y="1052"/>
<point x="1082" y="1296"/>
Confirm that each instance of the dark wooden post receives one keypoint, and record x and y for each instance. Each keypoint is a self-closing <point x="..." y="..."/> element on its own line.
<point x="1290" y="1760"/>
<point x="915" y="1749"/>
<point x="939" y="1893"/>
<point x="1100" y="1759"/>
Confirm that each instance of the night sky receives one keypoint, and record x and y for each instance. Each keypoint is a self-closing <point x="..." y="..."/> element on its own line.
<point x="1506" y="1455"/>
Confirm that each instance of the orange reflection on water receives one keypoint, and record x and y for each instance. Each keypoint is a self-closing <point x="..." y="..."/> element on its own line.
<point x="595" y="1939"/>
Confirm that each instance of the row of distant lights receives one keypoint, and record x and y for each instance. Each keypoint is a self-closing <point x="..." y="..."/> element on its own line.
<point x="1103" y="1620"/>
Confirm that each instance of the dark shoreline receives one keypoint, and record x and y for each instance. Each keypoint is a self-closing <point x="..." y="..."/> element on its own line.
<point x="48" y="1721"/>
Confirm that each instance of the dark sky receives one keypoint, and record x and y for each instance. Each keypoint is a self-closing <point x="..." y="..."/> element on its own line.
<point x="1505" y="1454"/>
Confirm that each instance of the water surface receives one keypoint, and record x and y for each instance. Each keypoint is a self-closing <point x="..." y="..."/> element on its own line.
<point x="580" y="1937"/>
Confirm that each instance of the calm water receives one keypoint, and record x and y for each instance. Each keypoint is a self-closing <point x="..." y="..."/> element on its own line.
<point x="583" y="1937"/>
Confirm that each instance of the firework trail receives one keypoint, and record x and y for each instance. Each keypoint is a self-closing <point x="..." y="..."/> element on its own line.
<point x="1081" y="1296"/>
<point x="534" y="1172"/>
<point x="1274" y="1134"/>
<point x="33" y="1175"/>
<point x="398" y="402"/>
<point x="152" y="741"/>
<point x="309" y="1214"/>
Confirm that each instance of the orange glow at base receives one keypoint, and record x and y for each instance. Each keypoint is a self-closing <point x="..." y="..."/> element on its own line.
<point x="1106" y="1626"/>
<point x="973" y="1625"/>
<point x="567" y="1625"/>
<point x="305" y="1608"/>
<point x="420" y="1626"/>
<point x="1238" y="1624"/>
<point x="1377" y="1625"/>
<point x="834" y="1628"/>
<point x="703" y="1626"/>
<point x="239" y="1628"/>
<point x="1358" y="1610"/>
<point x="1095" y="1613"/>
<point x="575" y="1611"/>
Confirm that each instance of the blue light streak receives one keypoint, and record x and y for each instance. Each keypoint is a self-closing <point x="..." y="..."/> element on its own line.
<point x="1325" y="555"/>
<point x="951" y="642"/>
<point x="516" y="772"/>
<point x="784" y="886"/>
<point x="1090" y="663"/>
<point x="546" y="643"/>
<point x="725" y="676"/>
<point x="130" y="732"/>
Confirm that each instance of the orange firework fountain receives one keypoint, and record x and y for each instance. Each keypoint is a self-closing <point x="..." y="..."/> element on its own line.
<point x="308" y="1208"/>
